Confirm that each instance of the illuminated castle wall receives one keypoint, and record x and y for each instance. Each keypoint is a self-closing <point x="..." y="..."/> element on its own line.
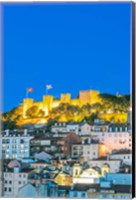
<point x="48" y="102"/>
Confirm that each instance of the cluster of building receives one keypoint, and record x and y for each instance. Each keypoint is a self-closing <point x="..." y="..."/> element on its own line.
<point x="71" y="160"/>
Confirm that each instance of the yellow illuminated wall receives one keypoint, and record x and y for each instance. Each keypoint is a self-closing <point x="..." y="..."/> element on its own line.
<point x="48" y="102"/>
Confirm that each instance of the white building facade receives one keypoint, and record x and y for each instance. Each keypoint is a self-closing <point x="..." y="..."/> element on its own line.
<point x="72" y="127"/>
<point x="117" y="137"/>
<point x="126" y="157"/>
<point x="13" y="181"/>
<point x="84" y="128"/>
<point x="87" y="151"/>
<point x="59" y="127"/>
<point x="114" y="165"/>
<point x="15" y="145"/>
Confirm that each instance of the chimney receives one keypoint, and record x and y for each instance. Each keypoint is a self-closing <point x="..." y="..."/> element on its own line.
<point x="25" y="131"/>
<point x="16" y="169"/>
<point x="108" y="156"/>
<point x="83" y="142"/>
<point x="89" y="140"/>
<point x="7" y="132"/>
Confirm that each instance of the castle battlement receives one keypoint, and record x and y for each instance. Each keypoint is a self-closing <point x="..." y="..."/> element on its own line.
<point x="48" y="102"/>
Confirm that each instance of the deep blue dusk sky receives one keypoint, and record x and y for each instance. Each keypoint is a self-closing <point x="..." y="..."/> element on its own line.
<point x="71" y="46"/>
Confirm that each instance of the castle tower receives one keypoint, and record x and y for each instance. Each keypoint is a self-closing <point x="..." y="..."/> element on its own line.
<point x="27" y="103"/>
<point x="65" y="98"/>
<point x="47" y="103"/>
<point x="89" y="96"/>
<point x="76" y="170"/>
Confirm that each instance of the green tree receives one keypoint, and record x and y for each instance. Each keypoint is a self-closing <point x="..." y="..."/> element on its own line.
<point x="9" y="125"/>
<point x="41" y="113"/>
<point x="32" y="112"/>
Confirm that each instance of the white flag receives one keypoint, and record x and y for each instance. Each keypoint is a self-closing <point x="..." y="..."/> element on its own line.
<point x="48" y="87"/>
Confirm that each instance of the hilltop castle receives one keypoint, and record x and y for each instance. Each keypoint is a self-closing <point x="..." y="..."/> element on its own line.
<point x="85" y="96"/>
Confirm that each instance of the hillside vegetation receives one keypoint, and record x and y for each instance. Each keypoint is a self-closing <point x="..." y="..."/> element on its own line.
<point x="111" y="108"/>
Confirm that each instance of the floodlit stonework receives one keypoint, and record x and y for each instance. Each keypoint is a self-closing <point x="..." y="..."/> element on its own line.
<point x="48" y="102"/>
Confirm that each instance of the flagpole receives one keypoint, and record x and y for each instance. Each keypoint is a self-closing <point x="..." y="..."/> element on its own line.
<point x="46" y="90"/>
<point x="27" y="93"/>
<point x="48" y="87"/>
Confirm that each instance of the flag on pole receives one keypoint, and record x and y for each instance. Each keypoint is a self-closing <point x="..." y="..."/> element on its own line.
<point x="30" y="90"/>
<point x="48" y="87"/>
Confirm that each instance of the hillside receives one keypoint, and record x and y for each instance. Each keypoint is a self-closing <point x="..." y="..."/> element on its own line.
<point x="111" y="107"/>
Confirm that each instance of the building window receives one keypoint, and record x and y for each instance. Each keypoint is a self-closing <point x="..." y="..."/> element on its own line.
<point x="10" y="189"/>
<point x="5" y="182"/>
<point x="19" y="182"/>
<point x="5" y="189"/>
<point x="76" y="173"/>
<point x="83" y="194"/>
<point x="75" y="194"/>
<point x="10" y="182"/>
